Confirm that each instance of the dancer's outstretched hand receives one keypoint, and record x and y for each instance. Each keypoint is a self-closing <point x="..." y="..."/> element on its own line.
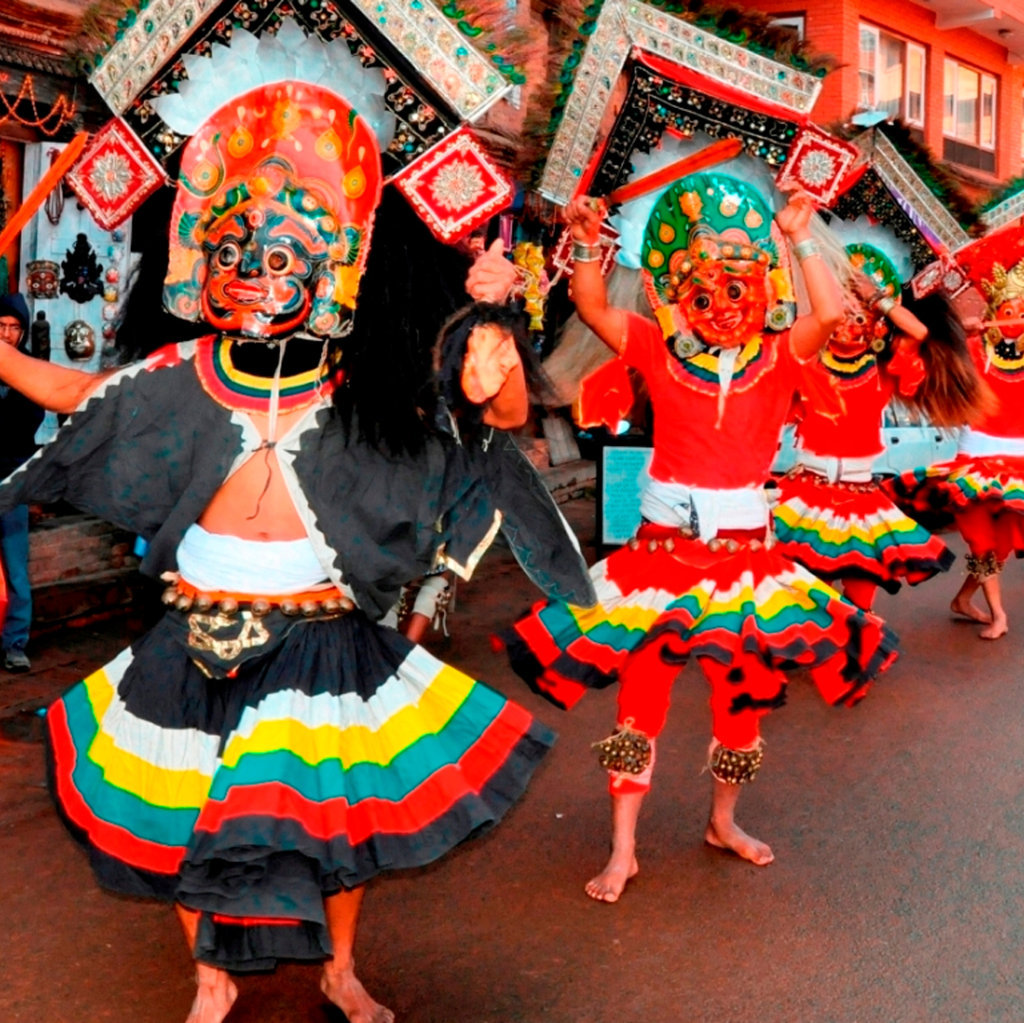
<point x="492" y="276"/>
<point x="584" y="216"/>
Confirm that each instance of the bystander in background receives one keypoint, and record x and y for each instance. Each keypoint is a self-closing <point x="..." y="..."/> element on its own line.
<point x="19" y="421"/>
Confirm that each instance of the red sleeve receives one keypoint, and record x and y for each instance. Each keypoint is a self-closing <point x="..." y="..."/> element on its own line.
<point x="643" y="343"/>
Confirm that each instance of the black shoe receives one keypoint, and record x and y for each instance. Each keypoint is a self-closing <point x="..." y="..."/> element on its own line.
<point x="17" y="661"/>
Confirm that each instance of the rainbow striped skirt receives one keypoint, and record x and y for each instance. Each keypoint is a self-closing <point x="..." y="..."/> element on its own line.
<point x="740" y="598"/>
<point x="853" y="530"/>
<point x="949" y="487"/>
<point x="344" y="752"/>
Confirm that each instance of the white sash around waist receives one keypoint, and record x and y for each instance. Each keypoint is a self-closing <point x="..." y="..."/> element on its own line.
<point x="848" y="470"/>
<point x="213" y="561"/>
<point x="702" y="509"/>
<point x="974" y="442"/>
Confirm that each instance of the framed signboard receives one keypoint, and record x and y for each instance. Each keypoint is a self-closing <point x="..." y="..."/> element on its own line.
<point x="621" y="477"/>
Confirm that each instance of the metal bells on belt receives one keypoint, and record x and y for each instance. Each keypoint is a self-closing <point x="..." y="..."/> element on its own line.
<point x="332" y="603"/>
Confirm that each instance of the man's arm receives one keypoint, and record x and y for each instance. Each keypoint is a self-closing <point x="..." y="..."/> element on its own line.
<point x="587" y="288"/>
<point x="810" y="332"/>
<point x="56" y="388"/>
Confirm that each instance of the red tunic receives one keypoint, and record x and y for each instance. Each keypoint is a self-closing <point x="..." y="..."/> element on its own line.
<point x="693" y="444"/>
<point x="1004" y="378"/>
<point x="851" y="427"/>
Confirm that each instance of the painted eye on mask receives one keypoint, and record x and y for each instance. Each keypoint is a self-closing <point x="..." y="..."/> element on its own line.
<point x="702" y="302"/>
<point x="280" y="260"/>
<point x="735" y="291"/>
<point x="860" y="319"/>
<point x="228" y="255"/>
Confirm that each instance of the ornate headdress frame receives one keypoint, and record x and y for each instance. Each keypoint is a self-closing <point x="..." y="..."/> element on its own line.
<point x="436" y="78"/>
<point x="629" y="27"/>
<point x="900" y="199"/>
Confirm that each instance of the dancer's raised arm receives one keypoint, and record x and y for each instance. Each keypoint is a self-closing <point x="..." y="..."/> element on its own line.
<point x="583" y="217"/>
<point x="811" y="331"/>
<point x="57" y="388"/>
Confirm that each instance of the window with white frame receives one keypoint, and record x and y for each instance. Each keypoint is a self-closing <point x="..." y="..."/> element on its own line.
<point x="796" y="23"/>
<point x="892" y="73"/>
<point x="968" y="105"/>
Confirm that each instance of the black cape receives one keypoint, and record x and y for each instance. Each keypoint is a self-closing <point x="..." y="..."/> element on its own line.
<point x="150" y="447"/>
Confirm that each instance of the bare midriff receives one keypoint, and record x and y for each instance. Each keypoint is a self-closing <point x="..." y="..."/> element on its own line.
<point x="254" y="503"/>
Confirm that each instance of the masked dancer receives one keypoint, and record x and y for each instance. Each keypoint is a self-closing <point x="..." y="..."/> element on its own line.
<point x="983" y="486"/>
<point x="833" y="517"/>
<point x="268" y="748"/>
<point x="702" y="578"/>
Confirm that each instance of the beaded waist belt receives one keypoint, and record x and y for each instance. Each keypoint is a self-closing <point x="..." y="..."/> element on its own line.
<point x="801" y="472"/>
<point x="837" y="470"/>
<point x="184" y="596"/>
<point x="221" y="631"/>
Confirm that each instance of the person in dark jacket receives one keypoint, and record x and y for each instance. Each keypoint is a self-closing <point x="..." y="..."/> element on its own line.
<point x="19" y="421"/>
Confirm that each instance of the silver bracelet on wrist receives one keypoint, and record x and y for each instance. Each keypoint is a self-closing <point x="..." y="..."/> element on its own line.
<point x="805" y="249"/>
<point x="583" y="253"/>
<point x="885" y="305"/>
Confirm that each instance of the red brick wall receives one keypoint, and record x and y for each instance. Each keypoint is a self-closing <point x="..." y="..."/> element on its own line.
<point x="81" y="568"/>
<point x="832" y="28"/>
<point x="73" y="546"/>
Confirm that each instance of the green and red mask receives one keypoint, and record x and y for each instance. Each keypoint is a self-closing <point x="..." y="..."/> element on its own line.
<point x="864" y="327"/>
<point x="711" y="262"/>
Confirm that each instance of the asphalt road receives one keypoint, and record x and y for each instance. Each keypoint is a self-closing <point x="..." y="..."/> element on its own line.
<point x="897" y="895"/>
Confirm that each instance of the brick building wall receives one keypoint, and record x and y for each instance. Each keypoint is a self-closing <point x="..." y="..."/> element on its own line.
<point x="81" y="569"/>
<point x="833" y="28"/>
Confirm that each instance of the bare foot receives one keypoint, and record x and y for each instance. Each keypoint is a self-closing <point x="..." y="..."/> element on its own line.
<point x="734" y="838"/>
<point x="213" y="1000"/>
<point x="969" y="610"/>
<point x="998" y="627"/>
<point x="609" y="884"/>
<point x="343" y="988"/>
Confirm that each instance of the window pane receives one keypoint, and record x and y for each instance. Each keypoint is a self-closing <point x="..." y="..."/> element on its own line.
<point x="987" y="137"/>
<point x="968" y="88"/>
<point x="868" y="55"/>
<point x="948" y="97"/>
<point x="890" y="84"/>
<point x="915" y="85"/>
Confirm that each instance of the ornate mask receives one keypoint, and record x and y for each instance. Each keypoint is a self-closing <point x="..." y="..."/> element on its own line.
<point x="1005" y="294"/>
<point x="79" y="341"/>
<point x="271" y="225"/>
<point x="711" y="262"/>
<point x="863" y="326"/>
<point x="42" y="278"/>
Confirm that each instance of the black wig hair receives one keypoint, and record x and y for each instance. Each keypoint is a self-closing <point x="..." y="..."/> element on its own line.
<point x="450" y="353"/>
<point x="411" y="285"/>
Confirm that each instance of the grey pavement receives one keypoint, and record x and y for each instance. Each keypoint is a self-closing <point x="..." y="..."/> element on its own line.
<point x="897" y="895"/>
